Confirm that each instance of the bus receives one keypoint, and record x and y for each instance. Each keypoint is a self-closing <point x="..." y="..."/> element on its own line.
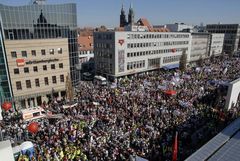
<point x="99" y="80"/>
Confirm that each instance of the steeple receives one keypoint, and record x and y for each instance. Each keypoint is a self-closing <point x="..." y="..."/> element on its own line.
<point x="131" y="15"/>
<point x="123" y="20"/>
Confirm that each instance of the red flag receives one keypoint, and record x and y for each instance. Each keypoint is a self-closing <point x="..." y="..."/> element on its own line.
<point x="175" y="148"/>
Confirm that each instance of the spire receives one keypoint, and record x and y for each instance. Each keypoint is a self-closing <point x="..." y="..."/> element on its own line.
<point x="131" y="15"/>
<point x="123" y="20"/>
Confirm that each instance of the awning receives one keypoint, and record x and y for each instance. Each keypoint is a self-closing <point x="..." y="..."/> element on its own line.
<point x="171" y="66"/>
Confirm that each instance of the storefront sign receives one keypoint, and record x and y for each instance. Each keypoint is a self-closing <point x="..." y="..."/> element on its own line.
<point x="121" y="41"/>
<point x="42" y="61"/>
<point x="20" y="62"/>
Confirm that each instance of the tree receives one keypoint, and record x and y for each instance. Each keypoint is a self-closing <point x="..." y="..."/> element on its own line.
<point x="222" y="56"/>
<point x="183" y="61"/>
<point x="69" y="88"/>
<point x="212" y="57"/>
<point x="200" y="61"/>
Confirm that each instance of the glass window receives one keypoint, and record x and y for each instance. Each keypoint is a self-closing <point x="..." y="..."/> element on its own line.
<point x="26" y="70"/>
<point x="52" y="66"/>
<point x="34" y="53"/>
<point x="54" y="79"/>
<point x="60" y="65"/>
<point x="59" y="50"/>
<point x="44" y="67"/>
<point x="14" y="54"/>
<point x="61" y="78"/>
<point x="46" y="81"/>
<point x="51" y="51"/>
<point x="16" y="71"/>
<point x="28" y="84"/>
<point x="37" y="83"/>
<point x="35" y="69"/>
<point x="24" y="54"/>
<point x="19" y="85"/>
<point x="43" y="51"/>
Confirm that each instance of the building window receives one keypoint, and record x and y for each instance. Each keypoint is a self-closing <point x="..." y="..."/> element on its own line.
<point x="26" y="70"/>
<point x="34" y="53"/>
<point x="51" y="51"/>
<point x="24" y="54"/>
<point x="54" y="79"/>
<point x="43" y="51"/>
<point x="28" y="84"/>
<point x="14" y="54"/>
<point x="35" y="69"/>
<point x="44" y="67"/>
<point x="46" y="81"/>
<point x="61" y="78"/>
<point x="37" y="83"/>
<point x="59" y="50"/>
<point x="19" y="85"/>
<point x="52" y="66"/>
<point x="60" y="65"/>
<point x="16" y="71"/>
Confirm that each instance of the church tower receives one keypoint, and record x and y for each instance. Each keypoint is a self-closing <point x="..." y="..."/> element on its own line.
<point x="123" y="20"/>
<point x="131" y="16"/>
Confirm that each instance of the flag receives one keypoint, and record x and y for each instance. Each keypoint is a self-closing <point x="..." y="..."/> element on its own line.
<point x="175" y="148"/>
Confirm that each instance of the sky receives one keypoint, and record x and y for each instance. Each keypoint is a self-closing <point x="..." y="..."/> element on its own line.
<point x="94" y="13"/>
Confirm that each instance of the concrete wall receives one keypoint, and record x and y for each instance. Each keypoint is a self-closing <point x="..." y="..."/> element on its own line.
<point x="233" y="93"/>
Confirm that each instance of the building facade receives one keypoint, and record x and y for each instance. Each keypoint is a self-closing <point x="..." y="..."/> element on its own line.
<point x="232" y="35"/>
<point x="43" y="22"/>
<point x="200" y="46"/>
<point x="216" y="44"/>
<point x="124" y="53"/>
<point x="37" y="71"/>
<point x="176" y="27"/>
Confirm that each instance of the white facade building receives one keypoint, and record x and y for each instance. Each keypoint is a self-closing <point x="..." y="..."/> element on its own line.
<point x="200" y="46"/>
<point x="176" y="27"/>
<point x="216" y="44"/>
<point x="124" y="53"/>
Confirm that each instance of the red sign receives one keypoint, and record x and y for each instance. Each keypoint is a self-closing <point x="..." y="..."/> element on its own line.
<point x="121" y="41"/>
<point x="20" y="62"/>
<point x="173" y="50"/>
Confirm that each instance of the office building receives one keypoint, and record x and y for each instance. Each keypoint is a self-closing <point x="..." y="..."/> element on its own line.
<point x="216" y="44"/>
<point x="200" y="46"/>
<point x="5" y="82"/>
<point x="41" y="48"/>
<point x="232" y="35"/>
<point x="128" y="52"/>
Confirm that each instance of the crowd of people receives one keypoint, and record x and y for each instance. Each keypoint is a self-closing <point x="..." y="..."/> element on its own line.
<point x="136" y="117"/>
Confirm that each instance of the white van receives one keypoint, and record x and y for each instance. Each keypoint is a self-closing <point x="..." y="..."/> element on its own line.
<point x="34" y="113"/>
<point x="99" y="80"/>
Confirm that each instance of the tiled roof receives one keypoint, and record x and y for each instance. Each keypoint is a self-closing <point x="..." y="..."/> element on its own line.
<point x="85" y="43"/>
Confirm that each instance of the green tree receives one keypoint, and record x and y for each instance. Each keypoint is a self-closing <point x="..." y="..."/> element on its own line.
<point x="183" y="61"/>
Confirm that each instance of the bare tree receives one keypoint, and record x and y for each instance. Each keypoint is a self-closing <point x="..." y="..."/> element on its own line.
<point x="200" y="61"/>
<point x="69" y="88"/>
<point x="183" y="61"/>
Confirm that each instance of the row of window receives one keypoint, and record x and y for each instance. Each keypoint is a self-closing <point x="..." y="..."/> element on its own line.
<point x="34" y="53"/>
<point x="37" y="82"/>
<point x="152" y="52"/>
<point x="135" y="64"/>
<point x="35" y="68"/>
<point x="170" y="59"/>
<point x="154" y="44"/>
<point x="156" y="36"/>
<point x="103" y="54"/>
<point x="104" y="36"/>
<point x="104" y="45"/>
